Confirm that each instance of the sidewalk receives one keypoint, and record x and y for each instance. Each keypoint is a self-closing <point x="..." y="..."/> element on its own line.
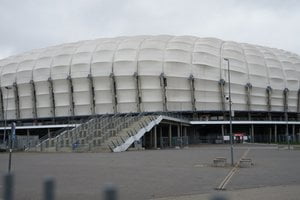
<point x="290" y="192"/>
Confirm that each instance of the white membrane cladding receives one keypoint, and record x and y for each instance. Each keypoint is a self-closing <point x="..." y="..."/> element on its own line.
<point x="114" y="63"/>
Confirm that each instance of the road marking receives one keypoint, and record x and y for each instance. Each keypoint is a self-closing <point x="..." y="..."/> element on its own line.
<point x="226" y="180"/>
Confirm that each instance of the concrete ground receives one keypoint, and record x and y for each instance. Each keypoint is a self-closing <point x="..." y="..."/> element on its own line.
<point x="184" y="174"/>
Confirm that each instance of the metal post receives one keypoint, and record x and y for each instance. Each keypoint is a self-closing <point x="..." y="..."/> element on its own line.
<point x="5" y="117"/>
<point x="8" y="187"/>
<point x="110" y="193"/>
<point x="49" y="189"/>
<point x="230" y="112"/>
<point x="11" y="139"/>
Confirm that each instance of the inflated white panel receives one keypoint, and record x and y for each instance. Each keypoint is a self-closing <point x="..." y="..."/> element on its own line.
<point x="291" y="77"/>
<point x="25" y="100"/>
<point x="61" y="96"/>
<point x="80" y="64"/>
<point x="177" y="57"/>
<point x="151" y="93"/>
<point x="207" y="95"/>
<point x="8" y="75"/>
<point x="43" y="103"/>
<point x="81" y="96"/>
<point x="103" y="95"/>
<point x="60" y="68"/>
<point x="178" y="94"/>
<point x="238" y="74"/>
<point x="9" y="103"/>
<point x="126" y="93"/>
<point x="258" y="76"/>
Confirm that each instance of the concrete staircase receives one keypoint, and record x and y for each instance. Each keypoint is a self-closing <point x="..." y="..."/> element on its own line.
<point x="106" y="133"/>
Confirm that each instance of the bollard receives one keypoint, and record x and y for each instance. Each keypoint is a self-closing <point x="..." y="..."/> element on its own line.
<point x="217" y="197"/>
<point x="110" y="192"/>
<point x="49" y="189"/>
<point x="8" y="187"/>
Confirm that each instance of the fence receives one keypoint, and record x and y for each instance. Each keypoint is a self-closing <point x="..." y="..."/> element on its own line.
<point x="110" y="192"/>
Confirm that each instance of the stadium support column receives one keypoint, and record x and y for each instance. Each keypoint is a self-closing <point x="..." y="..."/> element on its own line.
<point x="138" y="92"/>
<point x="170" y="135"/>
<point x="27" y="138"/>
<point x="248" y="88"/>
<point x="71" y="99"/>
<point x="92" y="94"/>
<point x="155" y="137"/>
<point x="52" y="99"/>
<point x="222" y="93"/>
<point x="269" y="104"/>
<point x="1" y="105"/>
<point x="163" y="84"/>
<point x="293" y="132"/>
<point x="17" y="102"/>
<point x="275" y="133"/>
<point x="33" y="99"/>
<point x="114" y="92"/>
<point x="192" y="88"/>
<point x="160" y="137"/>
<point x="298" y="105"/>
<point x="285" y="106"/>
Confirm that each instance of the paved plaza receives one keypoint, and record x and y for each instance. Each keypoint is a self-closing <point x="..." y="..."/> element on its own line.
<point x="184" y="174"/>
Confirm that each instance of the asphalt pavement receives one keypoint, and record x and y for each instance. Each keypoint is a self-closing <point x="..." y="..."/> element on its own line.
<point x="153" y="174"/>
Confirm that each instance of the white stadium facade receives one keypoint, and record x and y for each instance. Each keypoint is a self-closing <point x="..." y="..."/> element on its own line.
<point x="182" y="80"/>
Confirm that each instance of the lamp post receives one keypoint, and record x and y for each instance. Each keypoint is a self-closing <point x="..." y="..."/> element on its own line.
<point x="230" y="111"/>
<point x="5" y="117"/>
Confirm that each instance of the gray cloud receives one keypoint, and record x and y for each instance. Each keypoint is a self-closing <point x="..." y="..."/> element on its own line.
<point x="31" y="24"/>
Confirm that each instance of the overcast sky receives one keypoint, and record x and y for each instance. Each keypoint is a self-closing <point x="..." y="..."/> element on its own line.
<point x="31" y="24"/>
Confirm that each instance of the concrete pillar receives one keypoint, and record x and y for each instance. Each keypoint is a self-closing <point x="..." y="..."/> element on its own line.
<point x="114" y="92"/>
<point x="163" y="84"/>
<point x="144" y="140"/>
<point x="192" y="88"/>
<point x="49" y="133"/>
<point x="178" y="131"/>
<point x="27" y="140"/>
<point x="151" y="138"/>
<point x="92" y="94"/>
<point x="185" y="131"/>
<point x="293" y="132"/>
<point x="138" y="92"/>
<point x="270" y="134"/>
<point x="17" y="101"/>
<point x="161" y="138"/>
<point x="252" y="133"/>
<point x="223" y="132"/>
<point x="155" y="137"/>
<point x="275" y="133"/>
<point x="170" y="135"/>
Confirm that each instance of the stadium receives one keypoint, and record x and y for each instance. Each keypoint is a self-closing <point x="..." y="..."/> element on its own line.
<point x="112" y="94"/>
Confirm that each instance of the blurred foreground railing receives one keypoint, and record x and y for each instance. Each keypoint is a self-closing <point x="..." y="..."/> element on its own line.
<point x="110" y="192"/>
